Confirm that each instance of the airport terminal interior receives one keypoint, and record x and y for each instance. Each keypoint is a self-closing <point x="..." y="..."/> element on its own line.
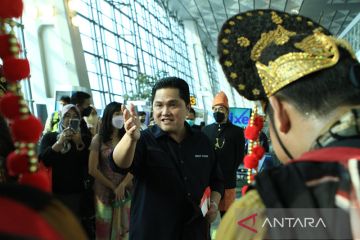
<point x="116" y="50"/>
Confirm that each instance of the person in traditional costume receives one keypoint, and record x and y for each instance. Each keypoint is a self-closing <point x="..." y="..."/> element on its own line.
<point x="307" y="82"/>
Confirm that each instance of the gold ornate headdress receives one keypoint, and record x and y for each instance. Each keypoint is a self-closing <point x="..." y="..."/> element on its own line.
<point x="262" y="51"/>
<point x="318" y="52"/>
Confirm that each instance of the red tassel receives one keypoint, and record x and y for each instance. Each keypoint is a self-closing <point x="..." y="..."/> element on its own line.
<point x="244" y="189"/>
<point x="251" y="132"/>
<point x="259" y="122"/>
<point x="11" y="8"/>
<point x="259" y="151"/>
<point x="39" y="179"/>
<point x="251" y="161"/>
<point x="10" y="105"/>
<point x="27" y="130"/>
<point x="17" y="163"/>
<point x="16" y="69"/>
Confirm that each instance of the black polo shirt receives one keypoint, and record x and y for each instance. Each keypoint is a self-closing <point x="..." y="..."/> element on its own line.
<point x="170" y="179"/>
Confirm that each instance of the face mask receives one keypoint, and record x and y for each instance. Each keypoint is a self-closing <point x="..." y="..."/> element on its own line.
<point x="190" y="122"/>
<point x="219" y="116"/>
<point x="118" y="122"/>
<point x="87" y="111"/>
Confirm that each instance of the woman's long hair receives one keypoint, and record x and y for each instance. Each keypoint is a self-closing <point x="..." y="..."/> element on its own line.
<point x="107" y="128"/>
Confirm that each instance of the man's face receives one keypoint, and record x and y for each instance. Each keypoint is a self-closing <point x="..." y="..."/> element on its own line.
<point x="169" y="110"/>
<point x="85" y="104"/>
<point x="220" y="108"/>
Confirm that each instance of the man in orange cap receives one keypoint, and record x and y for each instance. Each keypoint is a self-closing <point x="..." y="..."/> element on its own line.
<point x="228" y="141"/>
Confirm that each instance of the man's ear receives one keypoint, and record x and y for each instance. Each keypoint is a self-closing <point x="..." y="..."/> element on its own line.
<point x="280" y="114"/>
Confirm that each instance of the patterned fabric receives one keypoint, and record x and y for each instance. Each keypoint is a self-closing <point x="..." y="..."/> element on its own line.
<point x="107" y="214"/>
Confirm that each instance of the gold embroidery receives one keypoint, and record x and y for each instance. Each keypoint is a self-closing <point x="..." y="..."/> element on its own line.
<point x="256" y="91"/>
<point x="227" y="31"/>
<point x="233" y="75"/>
<point x="279" y="36"/>
<point x="276" y="18"/>
<point x="249" y="14"/>
<point x="243" y="41"/>
<point x="298" y="18"/>
<point x="232" y="23"/>
<point x="219" y="143"/>
<point x="261" y="13"/>
<point x="310" y="23"/>
<point x="228" y="63"/>
<point x="239" y="17"/>
<point x="224" y="41"/>
<point x="225" y="51"/>
<point x="319" y="52"/>
<point x="241" y="86"/>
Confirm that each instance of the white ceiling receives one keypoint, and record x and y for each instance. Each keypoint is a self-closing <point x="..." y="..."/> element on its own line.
<point x="211" y="14"/>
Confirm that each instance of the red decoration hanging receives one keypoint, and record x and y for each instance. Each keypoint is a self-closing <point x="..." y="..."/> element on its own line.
<point x="259" y="122"/>
<point x="26" y="129"/>
<point x="251" y="161"/>
<point x="10" y="106"/>
<point x="259" y="151"/>
<point x="11" y="8"/>
<point x="17" y="163"/>
<point x="16" y="69"/>
<point x="251" y="132"/>
<point x="39" y="179"/>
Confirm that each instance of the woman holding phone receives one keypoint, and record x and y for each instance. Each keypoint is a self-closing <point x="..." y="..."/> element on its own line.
<point x="64" y="151"/>
<point x="112" y="198"/>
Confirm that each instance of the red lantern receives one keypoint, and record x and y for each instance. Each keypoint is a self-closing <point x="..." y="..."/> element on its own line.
<point x="251" y="161"/>
<point x="251" y="132"/>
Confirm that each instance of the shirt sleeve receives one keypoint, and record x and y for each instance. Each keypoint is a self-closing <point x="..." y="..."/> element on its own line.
<point x="137" y="166"/>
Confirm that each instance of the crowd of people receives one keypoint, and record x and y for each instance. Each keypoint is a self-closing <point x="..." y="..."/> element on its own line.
<point x="122" y="178"/>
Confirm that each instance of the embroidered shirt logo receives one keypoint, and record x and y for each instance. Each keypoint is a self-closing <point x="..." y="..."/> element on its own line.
<point x="201" y="155"/>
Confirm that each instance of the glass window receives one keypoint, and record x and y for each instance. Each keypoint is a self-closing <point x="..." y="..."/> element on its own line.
<point x="123" y="39"/>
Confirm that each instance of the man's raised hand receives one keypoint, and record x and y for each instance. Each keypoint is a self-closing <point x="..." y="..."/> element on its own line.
<point x="131" y="122"/>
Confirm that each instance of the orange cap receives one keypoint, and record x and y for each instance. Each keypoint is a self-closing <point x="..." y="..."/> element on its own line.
<point x="221" y="99"/>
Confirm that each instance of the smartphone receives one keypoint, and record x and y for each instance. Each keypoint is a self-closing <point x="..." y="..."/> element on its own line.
<point x="74" y="124"/>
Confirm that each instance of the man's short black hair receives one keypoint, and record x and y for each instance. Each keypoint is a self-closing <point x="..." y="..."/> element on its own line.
<point x="65" y="99"/>
<point x="79" y="97"/>
<point x="173" y="82"/>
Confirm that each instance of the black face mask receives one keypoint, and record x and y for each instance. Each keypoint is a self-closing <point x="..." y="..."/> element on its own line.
<point x="87" y="111"/>
<point x="219" y="116"/>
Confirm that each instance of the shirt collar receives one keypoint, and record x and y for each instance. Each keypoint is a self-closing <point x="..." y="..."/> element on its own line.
<point x="158" y="132"/>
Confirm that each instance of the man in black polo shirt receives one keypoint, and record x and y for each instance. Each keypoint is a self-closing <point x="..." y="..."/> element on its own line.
<point x="172" y="166"/>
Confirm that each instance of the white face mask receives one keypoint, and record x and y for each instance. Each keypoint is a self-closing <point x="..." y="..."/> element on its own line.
<point x="118" y="122"/>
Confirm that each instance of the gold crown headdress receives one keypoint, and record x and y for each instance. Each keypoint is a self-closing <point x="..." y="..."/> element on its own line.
<point x="262" y="51"/>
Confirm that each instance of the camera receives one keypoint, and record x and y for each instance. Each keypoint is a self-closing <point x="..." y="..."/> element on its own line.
<point x="74" y="124"/>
